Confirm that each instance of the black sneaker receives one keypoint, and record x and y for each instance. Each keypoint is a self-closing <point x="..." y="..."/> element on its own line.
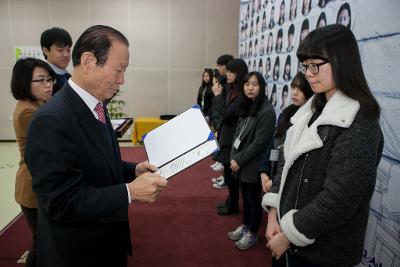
<point x="222" y="204"/>
<point x="228" y="210"/>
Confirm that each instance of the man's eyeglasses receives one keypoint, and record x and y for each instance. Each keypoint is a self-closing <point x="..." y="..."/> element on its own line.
<point x="313" y="67"/>
<point x="44" y="81"/>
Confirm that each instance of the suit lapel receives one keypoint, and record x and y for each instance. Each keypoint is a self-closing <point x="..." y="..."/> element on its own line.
<point x="90" y="126"/>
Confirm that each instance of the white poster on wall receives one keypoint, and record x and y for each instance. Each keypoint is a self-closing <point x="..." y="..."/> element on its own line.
<point x="270" y="32"/>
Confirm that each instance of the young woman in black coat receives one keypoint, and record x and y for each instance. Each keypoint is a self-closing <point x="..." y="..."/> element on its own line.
<point x="271" y="167"/>
<point x="205" y="94"/>
<point x="235" y="72"/>
<point x="331" y="152"/>
<point x="254" y="131"/>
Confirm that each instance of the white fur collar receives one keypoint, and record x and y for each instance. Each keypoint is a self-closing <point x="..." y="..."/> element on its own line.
<point x="340" y="111"/>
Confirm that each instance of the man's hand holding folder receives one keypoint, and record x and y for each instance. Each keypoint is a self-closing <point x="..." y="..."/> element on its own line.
<point x="148" y="185"/>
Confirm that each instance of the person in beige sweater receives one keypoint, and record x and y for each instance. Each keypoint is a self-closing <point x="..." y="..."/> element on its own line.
<point x="31" y="85"/>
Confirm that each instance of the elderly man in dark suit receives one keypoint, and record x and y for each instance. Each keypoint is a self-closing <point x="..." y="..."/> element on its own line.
<point x="83" y="187"/>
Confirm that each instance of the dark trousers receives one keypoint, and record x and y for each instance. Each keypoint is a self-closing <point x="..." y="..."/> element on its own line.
<point x="279" y="263"/>
<point x="252" y="210"/>
<point x="296" y="261"/>
<point x="31" y="217"/>
<point x="233" y="186"/>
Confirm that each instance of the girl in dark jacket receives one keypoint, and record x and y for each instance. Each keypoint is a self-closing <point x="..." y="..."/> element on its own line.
<point x="331" y="152"/>
<point x="205" y="94"/>
<point x="254" y="131"/>
<point x="271" y="167"/>
<point x="235" y="72"/>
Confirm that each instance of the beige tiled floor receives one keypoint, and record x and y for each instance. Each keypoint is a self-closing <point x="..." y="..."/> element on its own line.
<point x="9" y="157"/>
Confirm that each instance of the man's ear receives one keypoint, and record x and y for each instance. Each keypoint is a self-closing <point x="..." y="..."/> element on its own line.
<point x="88" y="61"/>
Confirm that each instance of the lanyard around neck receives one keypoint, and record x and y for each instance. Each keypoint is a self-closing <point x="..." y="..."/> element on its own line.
<point x="246" y="121"/>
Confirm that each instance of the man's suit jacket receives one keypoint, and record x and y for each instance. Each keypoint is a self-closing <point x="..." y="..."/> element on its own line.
<point x="79" y="179"/>
<point x="24" y="110"/>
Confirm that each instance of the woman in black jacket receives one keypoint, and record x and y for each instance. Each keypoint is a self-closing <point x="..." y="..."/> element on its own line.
<point x="331" y="152"/>
<point x="254" y="131"/>
<point x="271" y="167"/>
<point x="235" y="72"/>
<point x="205" y="94"/>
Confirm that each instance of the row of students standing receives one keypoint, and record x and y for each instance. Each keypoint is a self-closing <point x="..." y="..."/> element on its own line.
<point x="326" y="150"/>
<point x="245" y="125"/>
<point x="245" y="130"/>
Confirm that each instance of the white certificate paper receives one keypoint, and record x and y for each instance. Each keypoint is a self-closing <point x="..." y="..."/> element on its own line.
<point x="180" y="142"/>
<point x="188" y="159"/>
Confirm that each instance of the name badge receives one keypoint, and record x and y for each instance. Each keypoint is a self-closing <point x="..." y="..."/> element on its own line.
<point x="236" y="144"/>
<point x="274" y="156"/>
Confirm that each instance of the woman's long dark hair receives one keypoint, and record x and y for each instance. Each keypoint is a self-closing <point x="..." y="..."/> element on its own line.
<point x="239" y="68"/>
<point x="275" y="75"/>
<point x="337" y="44"/>
<point x="283" y="124"/>
<point x="210" y="83"/>
<point x="248" y="107"/>
<point x="284" y="120"/>
<point x="345" y="6"/>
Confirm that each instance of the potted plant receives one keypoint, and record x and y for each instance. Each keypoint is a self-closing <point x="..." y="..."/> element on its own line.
<point x="115" y="107"/>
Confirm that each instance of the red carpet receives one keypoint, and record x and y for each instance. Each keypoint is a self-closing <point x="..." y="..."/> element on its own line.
<point x="14" y="241"/>
<point x="180" y="229"/>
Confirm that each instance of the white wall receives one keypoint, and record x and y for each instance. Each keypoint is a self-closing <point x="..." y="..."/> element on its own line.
<point x="171" y="41"/>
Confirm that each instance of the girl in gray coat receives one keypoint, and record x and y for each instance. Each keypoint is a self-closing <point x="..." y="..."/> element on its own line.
<point x="331" y="156"/>
<point x="254" y="131"/>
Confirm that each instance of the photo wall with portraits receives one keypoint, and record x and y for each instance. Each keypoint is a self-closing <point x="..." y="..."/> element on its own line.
<point x="269" y="34"/>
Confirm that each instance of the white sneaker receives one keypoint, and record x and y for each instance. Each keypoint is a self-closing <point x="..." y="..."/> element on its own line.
<point x="221" y="184"/>
<point x="214" y="164"/>
<point x="238" y="233"/>
<point x="218" y="167"/>
<point x="216" y="180"/>
<point x="247" y="241"/>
